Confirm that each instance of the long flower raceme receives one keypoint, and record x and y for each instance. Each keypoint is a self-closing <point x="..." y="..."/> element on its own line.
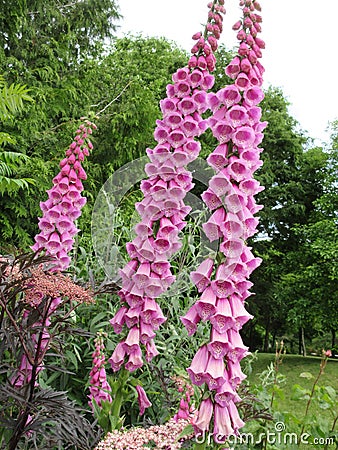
<point x="99" y="387"/>
<point x="224" y="286"/>
<point x="55" y="239"/>
<point x="148" y="273"/>
<point x="63" y="207"/>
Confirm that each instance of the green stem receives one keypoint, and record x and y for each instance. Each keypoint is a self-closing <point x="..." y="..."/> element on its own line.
<point x="200" y="446"/>
<point x="320" y="373"/>
<point x="117" y="403"/>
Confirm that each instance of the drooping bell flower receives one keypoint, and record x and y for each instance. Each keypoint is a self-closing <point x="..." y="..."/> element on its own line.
<point x="143" y="400"/>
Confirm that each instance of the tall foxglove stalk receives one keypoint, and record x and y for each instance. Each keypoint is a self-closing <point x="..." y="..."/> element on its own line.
<point x="148" y="273"/>
<point x="64" y="203"/>
<point x="57" y="229"/>
<point x="224" y="287"/>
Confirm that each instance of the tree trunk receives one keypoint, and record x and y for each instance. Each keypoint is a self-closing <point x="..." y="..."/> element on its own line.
<point x="274" y="337"/>
<point x="251" y="334"/>
<point x="333" y="342"/>
<point x="303" y="342"/>
<point x="266" y="337"/>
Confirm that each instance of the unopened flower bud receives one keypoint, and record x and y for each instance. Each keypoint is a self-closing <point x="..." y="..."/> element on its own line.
<point x="237" y="25"/>
<point x="196" y="36"/>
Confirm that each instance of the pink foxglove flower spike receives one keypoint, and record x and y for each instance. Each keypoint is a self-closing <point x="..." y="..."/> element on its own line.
<point x="162" y="209"/>
<point x="235" y="123"/>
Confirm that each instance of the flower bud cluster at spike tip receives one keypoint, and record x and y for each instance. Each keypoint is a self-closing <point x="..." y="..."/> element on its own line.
<point x="64" y="203"/>
<point x="205" y="46"/>
<point x="224" y="287"/>
<point x="148" y="273"/>
<point x="98" y="386"/>
<point x="250" y="47"/>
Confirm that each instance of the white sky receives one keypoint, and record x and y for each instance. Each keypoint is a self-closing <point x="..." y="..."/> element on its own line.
<point x="301" y="53"/>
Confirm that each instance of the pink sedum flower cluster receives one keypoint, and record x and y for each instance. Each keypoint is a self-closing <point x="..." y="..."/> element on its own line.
<point x="148" y="273"/>
<point x="99" y="387"/>
<point x="64" y="203"/>
<point x="166" y="437"/>
<point x="236" y="124"/>
<point x="44" y="293"/>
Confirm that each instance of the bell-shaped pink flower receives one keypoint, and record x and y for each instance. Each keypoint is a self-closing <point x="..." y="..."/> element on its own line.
<point x="151" y="350"/>
<point x="168" y="105"/>
<point x="190" y="127"/>
<point x="244" y="137"/>
<point x="198" y="366"/>
<point x="232" y="248"/>
<point x="253" y="95"/>
<point x="118" y="320"/>
<point x="219" y="344"/>
<point x="223" y="131"/>
<point x="132" y="342"/>
<point x="211" y="199"/>
<point x="214" y="372"/>
<point x="201" y="276"/>
<point x="223" y="319"/>
<point x="229" y="95"/>
<point x="220" y="184"/>
<point x="222" y="424"/>
<point x="154" y="287"/>
<point x="206" y="305"/>
<point x="117" y="358"/>
<point x="226" y="393"/>
<point x="181" y="74"/>
<point x="232" y="227"/>
<point x="158" y="318"/>
<point x="141" y="277"/>
<point x="146" y="332"/>
<point x="212" y="228"/>
<point x="143" y="400"/>
<point x="236" y="421"/>
<point x="135" y="360"/>
<point x="132" y="316"/>
<point x="205" y="411"/>
<point x="233" y="68"/>
<point x="218" y="158"/>
<point x="236" y="376"/>
<point x="239" y="312"/>
<point x="200" y="99"/>
<point x="191" y="319"/>
<point x="195" y="78"/>
<point x="238" y="349"/>
<point x="147" y="251"/>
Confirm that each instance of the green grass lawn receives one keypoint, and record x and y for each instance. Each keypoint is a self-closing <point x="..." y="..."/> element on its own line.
<point x="292" y="367"/>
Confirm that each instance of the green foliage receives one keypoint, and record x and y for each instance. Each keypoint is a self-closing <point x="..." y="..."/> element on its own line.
<point x="12" y="101"/>
<point x="304" y="412"/>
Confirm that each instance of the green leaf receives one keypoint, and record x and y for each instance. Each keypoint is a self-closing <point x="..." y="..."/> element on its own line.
<point x="187" y="431"/>
<point x="306" y="375"/>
